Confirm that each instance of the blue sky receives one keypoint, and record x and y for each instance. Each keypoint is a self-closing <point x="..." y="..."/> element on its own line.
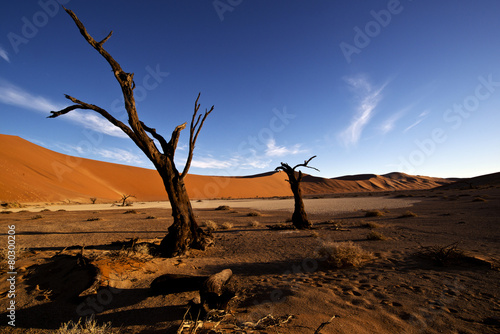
<point x="368" y="87"/>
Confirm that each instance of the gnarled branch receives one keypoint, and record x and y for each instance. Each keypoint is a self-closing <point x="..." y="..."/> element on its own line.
<point x="83" y="105"/>
<point x="194" y="131"/>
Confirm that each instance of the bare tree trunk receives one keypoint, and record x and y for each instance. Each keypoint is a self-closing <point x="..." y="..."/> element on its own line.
<point x="184" y="232"/>
<point x="299" y="216"/>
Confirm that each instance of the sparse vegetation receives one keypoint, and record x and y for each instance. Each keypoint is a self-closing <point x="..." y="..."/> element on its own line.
<point x="444" y="255"/>
<point x="91" y="219"/>
<point x="150" y="217"/>
<point x="36" y="217"/>
<point x="254" y="223"/>
<point x="89" y="326"/>
<point x="226" y="226"/>
<point x="211" y="225"/>
<point x="223" y="208"/>
<point x="130" y="212"/>
<point x="375" y="236"/>
<point x="253" y="214"/>
<point x="374" y="213"/>
<point x="343" y="254"/>
<point x="408" y="214"/>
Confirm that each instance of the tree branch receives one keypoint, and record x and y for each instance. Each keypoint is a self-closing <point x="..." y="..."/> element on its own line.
<point x="163" y="142"/>
<point x="175" y="138"/>
<point x="194" y="131"/>
<point x="305" y="164"/>
<point x="83" y="105"/>
<point x="126" y="80"/>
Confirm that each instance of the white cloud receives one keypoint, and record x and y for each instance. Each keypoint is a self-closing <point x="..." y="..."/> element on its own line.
<point x="4" y="54"/>
<point x="18" y="97"/>
<point x="209" y="162"/>
<point x="421" y="117"/>
<point x="116" y="155"/>
<point x="369" y="99"/>
<point x="272" y="150"/>
<point x="121" y="156"/>
<point x="15" y="96"/>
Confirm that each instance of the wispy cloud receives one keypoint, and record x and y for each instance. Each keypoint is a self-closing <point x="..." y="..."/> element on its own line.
<point x="421" y="117"/>
<point x="272" y="150"/>
<point x="18" y="97"/>
<point x="4" y="54"/>
<point x="369" y="97"/>
<point x="115" y="155"/>
<point x="212" y="163"/>
<point x="389" y="124"/>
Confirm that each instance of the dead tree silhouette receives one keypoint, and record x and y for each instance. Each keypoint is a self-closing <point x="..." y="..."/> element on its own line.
<point x="299" y="217"/>
<point x="184" y="233"/>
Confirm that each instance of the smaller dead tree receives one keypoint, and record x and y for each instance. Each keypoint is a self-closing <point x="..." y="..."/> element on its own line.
<point x="124" y="199"/>
<point x="299" y="217"/>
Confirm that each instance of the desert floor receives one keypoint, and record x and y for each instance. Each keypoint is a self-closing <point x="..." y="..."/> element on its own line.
<point x="285" y="281"/>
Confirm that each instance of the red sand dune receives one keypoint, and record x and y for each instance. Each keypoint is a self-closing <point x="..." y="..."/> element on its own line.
<point x="31" y="173"/>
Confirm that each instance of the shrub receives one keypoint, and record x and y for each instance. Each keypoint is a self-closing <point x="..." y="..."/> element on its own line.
<point x="253" y="214"/>
<point x="223" y="208"/>
<point x="130" y="211"/>
<point x="254" y="223"/>
<point x="343" y="254"/>
<point x="36" y="217"/>
<point x="375" y="236"/>
<point x="444" y="255"/>
<point x="90" y="326"/>
<point x="211" y="225"/>
<point x="374" y="213"/>
<point x="150" y="217"/>
<point x="408" y="214"/>
<point x="91" y="219"/>
<point x="226" y="226"/>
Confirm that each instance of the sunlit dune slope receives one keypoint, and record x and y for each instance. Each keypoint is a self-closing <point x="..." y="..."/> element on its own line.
<point x="30" y="173"/>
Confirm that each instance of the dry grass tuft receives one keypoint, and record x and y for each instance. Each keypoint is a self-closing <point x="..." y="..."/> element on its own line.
<point x="444" y="255"/>
<point x="344" y="254"/>
<point x="408" y="214"/>
<point x="254" y="223"/>
<point x="253" y="214"/>
<point x="90" y="326"/>
<point x="223" y="208"/>
<point x="211" y="225"/>
<point x="374" y="213"/>
<point x="226" y="226"/>
<point x="375" y="236"/>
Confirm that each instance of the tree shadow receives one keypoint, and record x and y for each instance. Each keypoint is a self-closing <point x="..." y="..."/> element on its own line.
<point x="52" y="314"/>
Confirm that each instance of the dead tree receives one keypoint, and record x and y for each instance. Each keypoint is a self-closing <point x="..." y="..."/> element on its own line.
<point x="184" y="232"/>
<point x="299" y="217"/>
<point x="124" y="199"/>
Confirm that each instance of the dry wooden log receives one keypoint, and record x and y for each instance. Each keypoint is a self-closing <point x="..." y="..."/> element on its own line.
<point x="218" y="290"/>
